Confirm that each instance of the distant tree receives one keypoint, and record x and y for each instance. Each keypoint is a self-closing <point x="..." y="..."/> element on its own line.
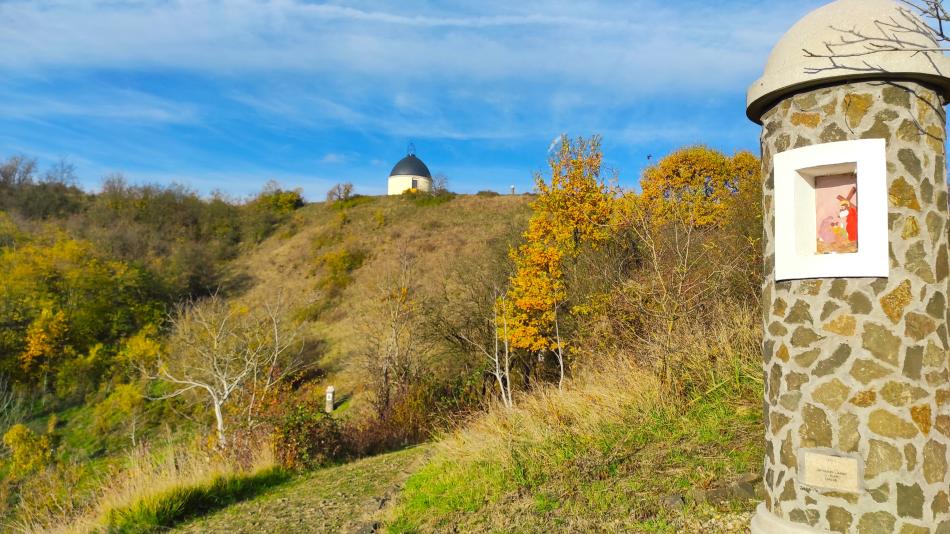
<point x="17" y="171"/>
<point x="278" y="200"/>
<point x="220" y="350"/>
<point x="340" y="192"/>
<point x="440" y="183"/>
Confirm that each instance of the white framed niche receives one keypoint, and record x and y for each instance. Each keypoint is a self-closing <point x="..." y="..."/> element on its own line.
<point x="803" y="177"/>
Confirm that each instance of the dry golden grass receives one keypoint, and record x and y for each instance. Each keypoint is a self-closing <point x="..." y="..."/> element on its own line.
<point x="147" y="474"/>
<point x="585" y="405"/>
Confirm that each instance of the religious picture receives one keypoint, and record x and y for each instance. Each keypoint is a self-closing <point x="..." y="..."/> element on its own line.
<point x="836" y="208"/>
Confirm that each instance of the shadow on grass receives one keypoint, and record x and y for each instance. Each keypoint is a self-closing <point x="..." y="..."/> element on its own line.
<point x="159" y="512"/>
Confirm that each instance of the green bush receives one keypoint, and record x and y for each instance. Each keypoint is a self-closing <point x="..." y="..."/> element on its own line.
<point x="29" y="451"/>
<point x="338" y="266"/>
<point x="422" y="198"/>
<point x="305" y="438"/>
<point x="352" y="202"/>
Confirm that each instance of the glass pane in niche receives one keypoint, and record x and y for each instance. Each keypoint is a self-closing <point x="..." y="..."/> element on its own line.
<point x="836" y="211"/>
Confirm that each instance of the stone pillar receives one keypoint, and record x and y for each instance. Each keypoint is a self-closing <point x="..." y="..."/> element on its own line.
<point x="858" y="367"/>
<point x="331" y="392"/>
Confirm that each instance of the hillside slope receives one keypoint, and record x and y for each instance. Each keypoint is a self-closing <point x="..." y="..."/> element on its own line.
<point x="329" y="261"/>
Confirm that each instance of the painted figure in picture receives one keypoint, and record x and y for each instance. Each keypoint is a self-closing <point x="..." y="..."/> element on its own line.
<point x="849" y="214"/>
<point x="837" y="214"/>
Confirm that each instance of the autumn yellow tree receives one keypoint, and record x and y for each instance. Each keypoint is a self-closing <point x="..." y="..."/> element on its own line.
<point x="574" y="208"/>
<point x="45" y="340"/>
<point x="696" y="184"/>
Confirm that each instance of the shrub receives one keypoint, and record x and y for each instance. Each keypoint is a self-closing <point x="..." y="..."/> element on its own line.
<point x="338" y="266"/>
<point x="487" y="193"/>
<point x="278" y="200"/>
<point x="305" y="438"/>
<point x="352" y="202"/>
<point x="54" y="496"/>
<point x="421" y="198"/>
<point x="379" y="218"/>
<point x="29" y="452"/>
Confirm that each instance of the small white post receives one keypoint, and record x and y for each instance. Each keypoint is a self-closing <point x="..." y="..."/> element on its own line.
<point x="329" y="404"/>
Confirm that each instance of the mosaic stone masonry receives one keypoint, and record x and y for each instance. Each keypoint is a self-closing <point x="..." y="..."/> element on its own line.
<point x="860" y="365"/>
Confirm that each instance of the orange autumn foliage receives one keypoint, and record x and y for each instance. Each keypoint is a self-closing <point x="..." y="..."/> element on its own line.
<point x="44" y="340"/>
<point x="574" y="209"/>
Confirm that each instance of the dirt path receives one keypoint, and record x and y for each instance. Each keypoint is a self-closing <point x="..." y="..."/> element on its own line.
<point x="348" y="498"/>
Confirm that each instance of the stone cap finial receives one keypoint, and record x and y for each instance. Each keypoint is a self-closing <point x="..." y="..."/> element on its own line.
<point x="850" y="40"/>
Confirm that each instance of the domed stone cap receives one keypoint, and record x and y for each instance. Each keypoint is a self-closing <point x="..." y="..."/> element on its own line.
<point x="850" y="40"/>
<point x="411" y="166"/>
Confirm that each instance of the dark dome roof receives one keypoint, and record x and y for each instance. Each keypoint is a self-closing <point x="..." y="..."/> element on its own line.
<point x="411" y="166"/>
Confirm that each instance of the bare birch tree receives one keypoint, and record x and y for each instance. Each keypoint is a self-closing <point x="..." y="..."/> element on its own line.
<point x="220" y="349"/>
<point x="498" y="354"/>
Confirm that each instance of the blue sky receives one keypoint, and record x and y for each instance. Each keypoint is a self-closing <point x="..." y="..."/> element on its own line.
<point x="227" y="95"/>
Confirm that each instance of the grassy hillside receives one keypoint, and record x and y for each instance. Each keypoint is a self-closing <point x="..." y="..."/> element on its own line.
<point x="307" y="261"/>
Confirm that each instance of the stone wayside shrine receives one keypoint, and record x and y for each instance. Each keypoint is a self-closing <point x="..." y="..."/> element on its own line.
<point x="854" y="303"/>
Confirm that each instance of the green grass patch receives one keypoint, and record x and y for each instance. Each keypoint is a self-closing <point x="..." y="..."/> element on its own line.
<point x="618" y="473"/>
<point x="164" y="510"/>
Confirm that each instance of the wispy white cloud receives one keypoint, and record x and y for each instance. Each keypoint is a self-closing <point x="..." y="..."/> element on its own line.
<point x="334" y="157"/>
<point x="644" y="45"/>
<point x="108" y="105"/>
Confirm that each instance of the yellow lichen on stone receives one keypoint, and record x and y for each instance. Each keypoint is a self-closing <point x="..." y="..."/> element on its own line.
<point x="779" y="307"/>
<point x="856" y="107"/>
<point x="894" y="302"/>
<point x="911" y="228"/>
<point x="902" y="194"/>
<point x="810" y="287"/>
<point x="935" y="138"/>
<point x="811" y="120"/>
<point x="922" y="417"/>
<point x="884" y="423"/>
<point x="864" y="398"/>
<point x="925" y="107"/>
<point x="844" y="325"/>
<point x="909" y="131"/>
<point x="782" y="353"/>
